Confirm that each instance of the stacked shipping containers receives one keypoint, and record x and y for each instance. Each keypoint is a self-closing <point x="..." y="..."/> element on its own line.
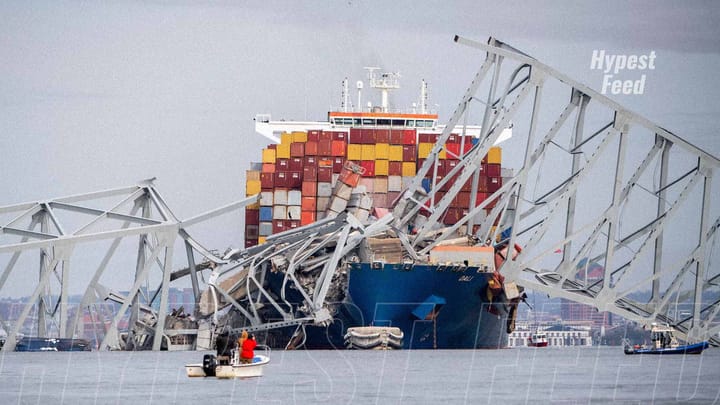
<point x="298" y="178"/>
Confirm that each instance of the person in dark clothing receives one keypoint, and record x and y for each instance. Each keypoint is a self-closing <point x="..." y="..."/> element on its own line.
<point x="247" y="353"/>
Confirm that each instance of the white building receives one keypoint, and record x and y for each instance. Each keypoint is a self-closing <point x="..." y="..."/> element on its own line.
<point x="558" y="335"/>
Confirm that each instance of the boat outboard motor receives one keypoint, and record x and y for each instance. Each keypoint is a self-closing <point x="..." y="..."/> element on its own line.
<point x="223" y="344"/>
<point x="209" y="365"/>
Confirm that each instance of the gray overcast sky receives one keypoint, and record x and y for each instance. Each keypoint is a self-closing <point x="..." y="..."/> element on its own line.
<point x="101" y="95"/>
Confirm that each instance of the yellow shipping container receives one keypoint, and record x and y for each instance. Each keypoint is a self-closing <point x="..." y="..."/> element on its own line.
<point x="382" y="167"/>
<point x="255" y="206"/>
<point x="442" y="154"/>
<point x="424" y="149"/>
<point x="354" y="151"/>
<point x="382" y="150"/>
<point x="368" y="152"/>
<point x="283" y="151"/>
<point x="298" y="136"/>
<point x="286" y="138"/>
<point x="268" y="156"/>
<point x="261" y="239"/>
<point x="494" y="155"/>
<point x="395" y="153"/>
<point x="252" y="187"/>
<point x="408" y="168"/>
<point x="252" y="175"/>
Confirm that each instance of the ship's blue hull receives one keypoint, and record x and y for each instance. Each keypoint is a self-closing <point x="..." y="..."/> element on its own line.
<point x="435" y="306"/>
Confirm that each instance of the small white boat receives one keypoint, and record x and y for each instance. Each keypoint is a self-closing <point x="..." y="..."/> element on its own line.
<point x="538" y="339"/>
<point x="235" y="369"/>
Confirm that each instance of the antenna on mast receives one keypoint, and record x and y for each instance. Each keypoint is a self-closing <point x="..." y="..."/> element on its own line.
<point x="345" y="96"/>
<point x="423" y="97"/>
<point x="383" y="82"/>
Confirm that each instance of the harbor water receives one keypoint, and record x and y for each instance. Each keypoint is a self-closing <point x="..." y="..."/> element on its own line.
<point x="508" y="376"/>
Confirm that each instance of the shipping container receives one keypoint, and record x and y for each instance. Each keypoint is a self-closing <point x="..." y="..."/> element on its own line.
<point x="309" y="204"/>
<point x="338" y="164"/>
<point x="278" y="225"/>
<point x="410" y="153"/>
<point x="380" y="185"/>
<point x="337" y="148"/>
<point x="265" y="228"/>
<point x="369" y="166"/>
<point x="394" y="183"/>
<point x="280" y="197"/>
<point x="252" y="187"/>
<point x="382" y="136"/>
<point x="382" y="151"/>
<point x="349" y="177"/>
<point x="268" y="155"/>
<point x="307" y="217"/>
<point x="266" y="199"/>
<point x="408" y="169"/>
<point x="325" y="147"/>
<point x="286" y="138"/>
<point x="396" y="136"/>
<point x="293" y="212"/>
<point x="354" y="151"/>
<point x="368" y="152"/>
<point x="382" y="167"/>
<point x="324" y="189"/>
<point x="252" y="217"/>
<point x="267" y="181"/>
<point x="297" y="149"/>
<point x="265" y="214"/>
<point x="311" y="148"/>
<point x="294" y="197"/>
<point x="314" y="135"/>
<point x="368" y="183"/>
<point x="395" y="169"/>
<point x="395" y="153"/>
<point x="279" y="212"/>
<point x="252" y="175"/>
<point x="494" y="155"/>
<point x="251" y="231"/>
<point x="309" y="188"/>
<point x="283" y="151"/>
<point x="299" y="136"/>
<point x="268" y="168"/>
<point x="409" y="137"/>
<point x="310" y="173"/>
<point x="322" y="205"/>
<point x="493" y="170"/>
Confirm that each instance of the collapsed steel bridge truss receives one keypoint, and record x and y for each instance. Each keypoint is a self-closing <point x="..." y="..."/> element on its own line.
<point x="609" y="210"/>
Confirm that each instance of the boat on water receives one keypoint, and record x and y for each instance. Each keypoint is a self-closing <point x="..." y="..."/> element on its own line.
<point x="40" y="344"/>
<point x="227" y="363"/>
<point x="538" y="339"/>
<point x="663" y="341"/>
<point x="358" y="162"/>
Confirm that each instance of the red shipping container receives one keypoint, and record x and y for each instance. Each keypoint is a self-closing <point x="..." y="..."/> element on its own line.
<point x="483" y="184"/>
<point x="292" y="223"/>
<point x="396" y="137"/>
<point x="441" y="168"/>
<point x="483" y="169"/>
<point x="427" y="138"/>
<point x="282" y="165"/>
<point x="295" y="180"/>
<point x="309" y="188"/>
<point x="309" y="173"/>
<point x="493" y="170"/>
<point x="252" y="217"/>
<point x="281" y="179"/>
<point x="325" y="136"/>
<point x="453" y="138"/>
<point x="296" y="164"/>
<point x="297" y="149"/>
<point x="313" y="135"/>
<point x="409" y="137"/>
<point x="268" y="168"/>
<point x="453" y="150"/>
<point x="267" y="180"/>
<point x="369" y="166"/>
<point x="272" y="146"/>
<point x="337" y="148"/>
<point x="340" y="136"/>
<point x="409" y="153"/>
<point x="467" y="146"/>
<point x="324" y="174"/>
<point x="309" y="204"/>
<point x="338" y="164"/>
<point x="395" y="169"/>
<point x="310" y="160"/>
<point x="480" y="197"/>
<point x="355" y="135"/>
<point x="311" y="148"/>
<point x="325" y="147"/>
<point x="462" y="199"/>
<point x="307" y="217"/>
<point x="380" y="200"/>
<point x="449" y="165"/>
<point x="350" y="178"/>
<point x="494" y="184"/>
<point x="251" y="231"/>
<point x="368" y="136"/>
<point x="250" y="243"/>
<point x="278" y="225"/>
<point x="382" y="136"/>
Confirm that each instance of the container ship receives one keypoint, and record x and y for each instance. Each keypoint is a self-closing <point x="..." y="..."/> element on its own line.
<point x="358" y="163"/>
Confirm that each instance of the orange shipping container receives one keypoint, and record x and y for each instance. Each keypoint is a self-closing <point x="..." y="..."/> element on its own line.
<point x="268" y="168"/>
<point x="309" y="204"/>
<point x="307" y="217"/>
<point x="338" y="148"/>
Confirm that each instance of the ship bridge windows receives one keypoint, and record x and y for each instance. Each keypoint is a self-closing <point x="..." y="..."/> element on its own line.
<point x="425" y="123"/>
<point x="368" y="121"/>
<point x="398" y="123"/>
<point x="383" y="121"/>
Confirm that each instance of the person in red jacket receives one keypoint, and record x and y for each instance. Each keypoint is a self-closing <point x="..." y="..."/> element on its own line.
<point x="247" y="354"/>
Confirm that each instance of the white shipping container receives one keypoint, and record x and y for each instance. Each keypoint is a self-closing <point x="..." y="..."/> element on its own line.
<point x="406" y="180"/>
<point x="394" y="183"/>
<point x="265" y="229"/>
<point x="343" y="191"/>
<point x="335" y="177"/>
<point x="324" y="189"/>
<point x="294" y="212"/>
<point x="338" y="204"/>
<point x="322" y="204"/>
<point x="319" y="216"/>
<point x="279" y="212"/>
<point x="266" y="199"/>
<point x="280" y="197"/>
<point x="294" y="197"/>
<point x="380" y="185"/>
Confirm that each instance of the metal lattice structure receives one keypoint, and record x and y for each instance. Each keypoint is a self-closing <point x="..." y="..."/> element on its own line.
<point x="616" y="192"/>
